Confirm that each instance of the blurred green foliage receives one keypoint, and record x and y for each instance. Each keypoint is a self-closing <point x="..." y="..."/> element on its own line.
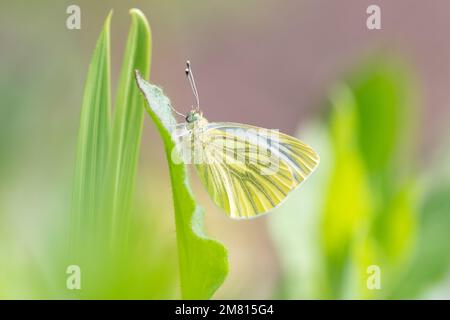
<point x="367" y="203"/>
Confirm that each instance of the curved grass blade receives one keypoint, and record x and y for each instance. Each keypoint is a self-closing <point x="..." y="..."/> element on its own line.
<point x="93" y="142"/>
<point x="203" y="261"/>
<point x="127" y="127"/>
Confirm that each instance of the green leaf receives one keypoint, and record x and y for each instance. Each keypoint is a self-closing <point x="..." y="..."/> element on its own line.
<point x="385" y="100"/>
<point x="385" y="110"/>
<point x="348" y="201"/>
<point x="127" y="126"/>
<point x="106" y="163"/>
<point x="203" y="261"/>
<point x="93" y="143"/>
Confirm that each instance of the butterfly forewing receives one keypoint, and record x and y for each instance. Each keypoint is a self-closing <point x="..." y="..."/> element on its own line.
<point x="247" y="170"/>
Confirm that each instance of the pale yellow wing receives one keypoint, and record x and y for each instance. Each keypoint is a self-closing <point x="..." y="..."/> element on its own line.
<point x="247" y="170"/>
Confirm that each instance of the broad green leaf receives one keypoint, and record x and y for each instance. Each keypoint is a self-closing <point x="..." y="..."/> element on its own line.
<point x="203" y="261"/>
<point x="93" y="143"/>
<point x="384" y="116"/>
<point x="127" y="127"/>
<point x="385" y="111"/>
<point x="385" y="108"/>
<point x="348" y="201"/>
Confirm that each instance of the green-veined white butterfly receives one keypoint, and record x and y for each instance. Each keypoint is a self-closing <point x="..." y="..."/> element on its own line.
<point x="246" y="170"/>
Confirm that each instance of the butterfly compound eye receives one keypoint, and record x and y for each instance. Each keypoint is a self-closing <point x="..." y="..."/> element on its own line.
<point x="190" y="118"/>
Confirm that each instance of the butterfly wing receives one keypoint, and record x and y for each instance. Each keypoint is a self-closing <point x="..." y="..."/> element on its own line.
<point x="247" y="170"/>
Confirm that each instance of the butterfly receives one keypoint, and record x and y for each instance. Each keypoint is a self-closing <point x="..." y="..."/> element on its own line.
<point x="246" y="170"/>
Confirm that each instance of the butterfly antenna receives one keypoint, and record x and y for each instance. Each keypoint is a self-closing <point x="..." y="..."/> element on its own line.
<point x="190" y="77"/>
<point x="177" y="112"/>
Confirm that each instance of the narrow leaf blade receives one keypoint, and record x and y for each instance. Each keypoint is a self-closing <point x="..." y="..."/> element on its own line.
<point x="127" y="127"/>
<point x="93" y="140"/>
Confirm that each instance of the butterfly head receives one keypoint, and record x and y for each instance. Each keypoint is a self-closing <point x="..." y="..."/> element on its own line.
<point x="194" y="116"/>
